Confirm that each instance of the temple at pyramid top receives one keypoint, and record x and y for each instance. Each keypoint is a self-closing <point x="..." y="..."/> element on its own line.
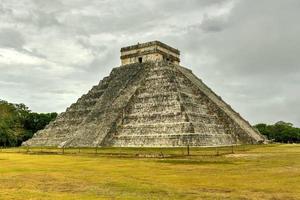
<point x="149" y="51"/>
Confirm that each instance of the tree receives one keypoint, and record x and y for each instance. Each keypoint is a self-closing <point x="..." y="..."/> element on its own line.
<point x="18" y="123"/>
<point x="280" y="132"/>
<point x="35" y="122"/>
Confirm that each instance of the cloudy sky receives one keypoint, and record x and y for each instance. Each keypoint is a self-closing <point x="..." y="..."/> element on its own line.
<point x="247" y="51"/>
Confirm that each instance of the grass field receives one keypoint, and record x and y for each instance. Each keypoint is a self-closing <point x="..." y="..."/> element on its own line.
<point x="251" y="172"/>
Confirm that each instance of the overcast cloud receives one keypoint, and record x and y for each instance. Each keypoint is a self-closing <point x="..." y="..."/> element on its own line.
<point x="53" y="51"/>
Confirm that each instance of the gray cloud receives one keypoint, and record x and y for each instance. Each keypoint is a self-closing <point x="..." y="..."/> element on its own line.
<point x="247" y="51"/>
<point x="214" y="24"/>
<point x="11" y="38"/>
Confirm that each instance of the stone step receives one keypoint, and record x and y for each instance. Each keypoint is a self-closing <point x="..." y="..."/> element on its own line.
<point x="156" y="128"/>
<point x="166" y="95"/>
<point x="175" y="140"/>
<point x="154" y="114"/>
<point x="152" y="104"/>
<point x="154" y="108"/>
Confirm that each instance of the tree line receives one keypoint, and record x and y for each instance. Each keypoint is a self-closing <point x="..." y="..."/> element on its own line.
<point x="18" y="123"/>
<point x="281" y="131"/>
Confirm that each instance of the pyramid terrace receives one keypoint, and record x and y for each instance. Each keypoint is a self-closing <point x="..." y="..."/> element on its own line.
<point x="149" y="101"/>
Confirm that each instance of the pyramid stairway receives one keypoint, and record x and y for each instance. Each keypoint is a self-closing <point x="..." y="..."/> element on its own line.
<point x="148" y="104"/>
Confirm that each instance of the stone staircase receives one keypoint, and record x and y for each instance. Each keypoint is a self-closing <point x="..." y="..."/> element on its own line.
<point x="148" y="104"/>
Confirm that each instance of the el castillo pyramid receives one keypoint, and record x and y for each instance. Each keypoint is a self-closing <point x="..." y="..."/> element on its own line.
<point x="150" y="101"/>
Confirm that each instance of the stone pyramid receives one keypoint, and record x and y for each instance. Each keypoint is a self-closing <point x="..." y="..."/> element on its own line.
<point x="150" y="101"/>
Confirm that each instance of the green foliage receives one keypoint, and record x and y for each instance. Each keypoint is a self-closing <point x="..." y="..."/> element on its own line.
<point x="280" y="132"/>
<point x="35" y="122"/>
<point x="18" y="123"/>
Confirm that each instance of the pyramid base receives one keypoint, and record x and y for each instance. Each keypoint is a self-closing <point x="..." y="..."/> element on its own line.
<point x="174" y="140"/>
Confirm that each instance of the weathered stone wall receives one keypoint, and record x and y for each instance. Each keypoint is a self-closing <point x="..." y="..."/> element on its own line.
<point x="148" y="104"/>
<point x="154" y="57"/>
<point x="252" y="135"/>
<point x="169" y="106"/>
<point x="150" y="51"/>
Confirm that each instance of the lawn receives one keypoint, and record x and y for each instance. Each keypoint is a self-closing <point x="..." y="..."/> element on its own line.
<point x="251" y="172"/>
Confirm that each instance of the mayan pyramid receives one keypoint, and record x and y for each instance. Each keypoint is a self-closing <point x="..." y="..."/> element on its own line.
<point x="150" y="101"/>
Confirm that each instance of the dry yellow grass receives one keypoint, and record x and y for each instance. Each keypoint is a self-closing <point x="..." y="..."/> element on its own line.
<point x="252" y="172"/>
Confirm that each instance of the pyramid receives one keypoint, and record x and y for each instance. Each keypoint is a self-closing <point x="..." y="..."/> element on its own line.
<point x="149" y="101"/>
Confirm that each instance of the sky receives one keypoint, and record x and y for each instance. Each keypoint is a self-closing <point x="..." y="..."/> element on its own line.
<point x="248" y="52"/>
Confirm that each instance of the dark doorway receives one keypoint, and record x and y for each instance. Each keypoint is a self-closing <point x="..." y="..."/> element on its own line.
<point x="140" y="59"/>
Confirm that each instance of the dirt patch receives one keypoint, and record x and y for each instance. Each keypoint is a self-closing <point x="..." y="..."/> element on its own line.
<point x="244" y="155"/>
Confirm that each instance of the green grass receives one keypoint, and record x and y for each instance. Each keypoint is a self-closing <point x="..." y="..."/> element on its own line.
<point x="252" y="172"/>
